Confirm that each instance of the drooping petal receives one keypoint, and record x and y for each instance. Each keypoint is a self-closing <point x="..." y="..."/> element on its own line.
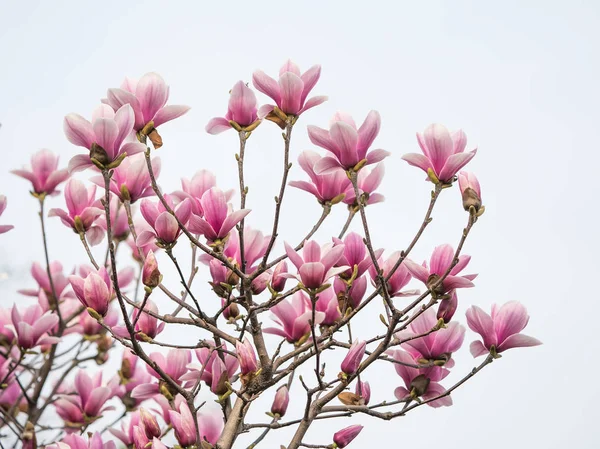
<point x="217" y="125"/>
<point x="168" y="113"/>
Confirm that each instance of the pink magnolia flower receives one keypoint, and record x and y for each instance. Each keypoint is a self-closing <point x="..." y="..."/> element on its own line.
<point x="210" y="426"/>
<point x="293" y="316"/>
<point x="40" y="275"/>
<point x="44" y="174"/>
<point x="140" y="226"/>
<point x="246" y="356"/>
<point x="74" y="441"/>
<point x="146" y="323"/>
<point x="327" y="302"/>
<point x="119" y="224"/>
<point x="106" y="137"/>
<point x="131" y="180"/>
<point x="363" y="389"/>
<point x="281" y="401"/>
<point x="132" y="374"/>
<point x="443" y="152"/>
<point x="151" y="276"/>
<point x="126" y="432"/>
<point x="290" y="92"/>
<point x="165" y="226"/>
<point x="4" y="228"/>
<point x="82" y="211"/>
<point x="90" y="327"/>
<point x="241" y="110"/>
<point x="441" y="259"/>
<point x="316" y="265"/>
<point x="437" y="346"/>
<point x="419" y="382"/>
<point x="174" y="364"/>
<point x="255" y="246"/>
<point x="470" y="190"/>
<point x="501" y="330"/>
<point x="278" y="279"/>
<point x="149" y="424"/>
<point x="447" y="307"/>
<point x="32" y="325"/>
<point x="344" y="437"/>
<point x="259" y="284"/>
<point x="195" y="188"/>
<point x="398" y="280"/>
<point x="212" y="369"/>
<point x="94" y="290"/>
<point x="148" y="98"/>
<point x="87" y="402"/>
<point x="218" y="221"/>
<point x="352" y="297"/>
<point x="326" y="187"/>
<point x="355" y="254"/>
<point x="368" y="181"/>
<point x="346" y="143"/>
<point x="354" y="356"/>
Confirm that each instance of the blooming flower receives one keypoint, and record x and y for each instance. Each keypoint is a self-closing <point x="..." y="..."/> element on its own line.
<point x="293" y="316"/>
<point x="327" y="302"/>
<point x="470" y="190"/>
<point x="4" y="228"/>
<point x="32" y="325"/>
<point x="241" y="110"/>
<point x="74" y="441"/>
<point x="350" y="297"/>
<point x="354" y="356"/>
<point x="290" y="92"/>
<point x="346" y="143"/>
<point x="119" y="223"/>
<point x="148" y="98"/>
<point x="443" y="153"/>
<point x="165" y="226"/>
<point x="210" y="426"/>
<point x="440" y="261"/>
<point x="214" y="369"/>
<point x="419" y="382"/>
<point x="94" y="290"/>
<point x="398" y="280"/>
<point x="218" y="221"/>
<point x="126" y="432"/>
<point x="316" y="265"/>
<point x="246" y="356"/>
<point x="344" y="437"/>
<point x="500" y="331"/>
<point x="131" y="180"/>
<point x="438" y="346"/>
<point x="368" y="181"/>
<point x="326" y="187"/>
<point x="146" y="323"/>
<point x="195" y="188"/>
<point x="255" y="246"/>
<point x="82" y="211"/>
<point x="105" y="138"/>
<point x="44" y="174"/>
<point x="40" y="275"/>
<point x="355" y="254"/>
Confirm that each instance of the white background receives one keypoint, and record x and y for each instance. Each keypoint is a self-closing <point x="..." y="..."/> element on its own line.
<point x="521" y="78"/>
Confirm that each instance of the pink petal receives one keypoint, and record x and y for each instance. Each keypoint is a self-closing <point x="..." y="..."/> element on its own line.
<point x="518" y="341"/>
<point x="312" y="274"/>
<point x="454" y="164"/>
<point x="166" y="227"/>
<point x="439" y="145"/>
<point x="327" y="165"/>
<point x="168" y="113"/>
<point x="368" y="131"/>
<point x="97" y="399"/>
<point x="217" y="125"/>
<point x="293" y="255"/>
<point x="510" y="319"/>
<point x="377" y="156"/>
<point x="106" y="132"/>
<point x="312" y="102"/>
<point x="477" y="349"/>
<point x="79" y="162"/>
<point x="152" y="93"/>
<point x="132" y="148"/>
<point x="482" y="323"/>
<point x="79" y="131"/>
<point x="418" y="160"/>
<point x="120" y="97"/>
<point x="452" y="282"/>
<point x="231" y="220"/>
<point x="321" y="138"/>
<point x="309" y="79"/>
<point x="345" y="139"/>
<point x="441" y="258"/>
<point x="418" y="271"/>
<point x="290" y="89"/>
<point x="267" y="85"/>
<point x="125" y="119"/>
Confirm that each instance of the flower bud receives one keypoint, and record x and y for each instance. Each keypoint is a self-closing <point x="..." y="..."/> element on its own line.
<point x="151" y="277"/>
<point x="278" y="281"/>
<point x="247" y="357"/>
<point x="470" y="189"/>
<point x="140" y="440"/>
<point x="281" y="401"/>
<point x="419" y="385"/>
<point x="231" y="312"/>
<point x="94" y="291"/>
<point x="448" y="307"/>
<point x="345" y="436"/>
<point x="355" y="354"/>
<point x="260" y="283"/>
<point x="363" y="389"/>
<point x="151" y="427"/>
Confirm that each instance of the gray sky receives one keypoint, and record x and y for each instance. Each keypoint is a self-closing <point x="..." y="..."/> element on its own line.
<point x="519" y="77"/>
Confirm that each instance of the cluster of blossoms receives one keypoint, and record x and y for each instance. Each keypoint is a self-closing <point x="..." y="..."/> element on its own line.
<point x="102" y="312"/>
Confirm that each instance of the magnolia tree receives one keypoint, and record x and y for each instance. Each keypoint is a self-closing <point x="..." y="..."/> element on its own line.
<point x="268" y="318"/>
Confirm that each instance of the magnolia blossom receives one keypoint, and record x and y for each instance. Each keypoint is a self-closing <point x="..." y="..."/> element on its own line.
<point x="355" y="255"/>
<point x="438" y="346"/>
<point x="40" y="275"/>
<point x="210" y="426"/>
<point x="94" y="290"/>
<point x="4" y="228"/>
<point x="316" y="265"/>
<point x="119" y="223"/>
<point x="326" y="187"/>
<point x="368" y="181"/>
<point x="363" y="390"/>
<point x="106" y="137"/>
<point x="443" y="153"/>
<point x="218" y="220"/>
<point x="281" y="401"/>
<point x="470" y="190"/>
<point x="328" y="303"/>
<point x="347" y="144"/>
<point x="174" y="364"/>
<point x="195" y="188"/>
<point x="74" y="441"/>
<point x="82" y="211"/>
<point x="345" y="436"/>
<point x="441" y="259"/>
<point x="148" y="98"/>
<point x="241" y="110"/>
<point x="294" y="316"/>
<point x="126" y="432"/>
<point x="419" y="382"/>
<point x="44" y="174"/>
<point x="31" y="326"/>
<point x="164" y="224"/>
<point x="146" y="323"/>
<point x="131" y="180"/>
<point x="501" y="330"/>
<point x="290" y="92"/>
<point x="255" y="246"/>
<point x="398" y="279"/>
<point x="151" y="276"/>
<point x="354" y="356"/>
<point x="87" y="402"/>
<point x="279" y="276"/>
<point x="246" y="356"/>
<point x="214" y="368"/>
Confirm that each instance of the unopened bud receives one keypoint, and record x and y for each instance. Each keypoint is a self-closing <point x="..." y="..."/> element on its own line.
<point x="151" y="276"/>
<point x="281" y="401"/>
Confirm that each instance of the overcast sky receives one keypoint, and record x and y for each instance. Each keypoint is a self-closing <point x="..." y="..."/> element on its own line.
<point x="521" y="78"/>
